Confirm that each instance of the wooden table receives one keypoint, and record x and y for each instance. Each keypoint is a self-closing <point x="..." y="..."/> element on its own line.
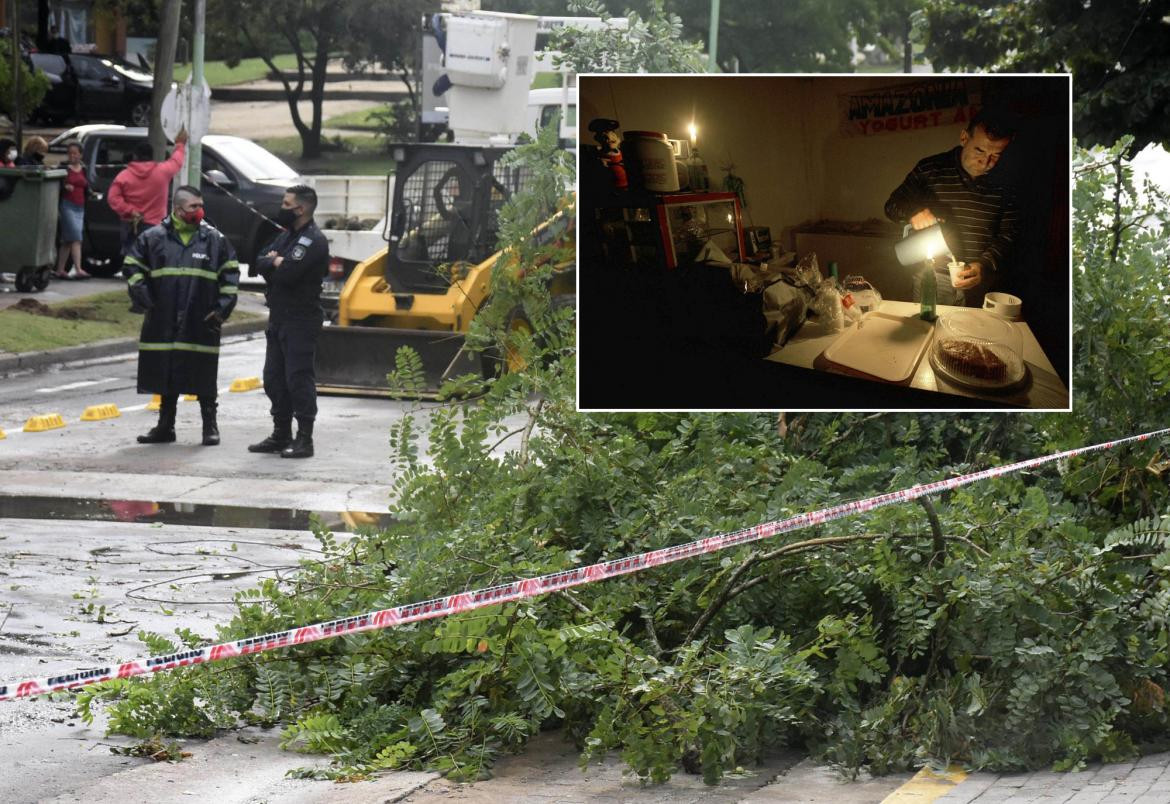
<point x="1043" y="390"/>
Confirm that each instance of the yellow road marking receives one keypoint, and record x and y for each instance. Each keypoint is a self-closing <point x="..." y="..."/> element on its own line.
<point x="926" y="786"/>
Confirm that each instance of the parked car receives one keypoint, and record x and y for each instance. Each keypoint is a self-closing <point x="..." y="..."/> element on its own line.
<point x="242" y="186"/>
<point x="83" y="86"/>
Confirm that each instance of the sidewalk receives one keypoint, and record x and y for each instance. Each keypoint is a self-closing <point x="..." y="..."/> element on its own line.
<point x="344" y="89"/>
<point x="1144" y="781"/>
<point x="340" y="84"/>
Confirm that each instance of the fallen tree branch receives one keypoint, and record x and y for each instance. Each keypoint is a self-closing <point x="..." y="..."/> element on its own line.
<point x="754" y="558"/>
<point x="935" y="528"/>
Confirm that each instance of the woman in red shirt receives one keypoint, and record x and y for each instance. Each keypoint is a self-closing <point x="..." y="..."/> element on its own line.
<point x="72" y="215"/>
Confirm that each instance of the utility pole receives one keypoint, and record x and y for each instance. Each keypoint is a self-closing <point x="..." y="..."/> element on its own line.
<point x="713" y="37"/>
<point x="194" y="145"/>
<point x="17" y="89"/>
<point x="164" y="71"/>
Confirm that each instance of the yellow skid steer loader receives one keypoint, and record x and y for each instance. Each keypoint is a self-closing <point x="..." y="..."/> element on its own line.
<point x="425" y="287"/>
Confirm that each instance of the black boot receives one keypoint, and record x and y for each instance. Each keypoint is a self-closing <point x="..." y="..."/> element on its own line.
<point x="164" y="431"/>
<point x="281" y="437"/>
<point x="210" y="426"/>
<point x="302" y="445"/>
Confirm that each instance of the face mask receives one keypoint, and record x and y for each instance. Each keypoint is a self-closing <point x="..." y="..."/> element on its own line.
<point x="194" y="217"/>
<point x="12" y="153"/>
<point x="286" y="217"/>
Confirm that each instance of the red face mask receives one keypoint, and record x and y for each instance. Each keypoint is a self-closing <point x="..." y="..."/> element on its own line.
<point x="194" y="217"/>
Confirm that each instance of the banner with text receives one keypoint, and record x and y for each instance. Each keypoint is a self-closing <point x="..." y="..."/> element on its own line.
<point x="909" y="107"/>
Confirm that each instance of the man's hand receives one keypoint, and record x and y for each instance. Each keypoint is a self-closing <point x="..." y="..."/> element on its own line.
<point x="922" y="219"/>
<point x="970" y="276"/>
<point x="182" y="136"/>
<point x="277" y="261"/>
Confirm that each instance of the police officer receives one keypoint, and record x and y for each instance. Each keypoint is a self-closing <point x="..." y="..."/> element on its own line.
<point x="293" y="265"/>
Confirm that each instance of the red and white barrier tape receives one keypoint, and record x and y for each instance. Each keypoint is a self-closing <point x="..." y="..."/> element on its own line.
<point x="518" y="590"/>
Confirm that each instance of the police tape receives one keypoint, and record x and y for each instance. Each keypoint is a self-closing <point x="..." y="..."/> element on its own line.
<point x="461" y="602"/>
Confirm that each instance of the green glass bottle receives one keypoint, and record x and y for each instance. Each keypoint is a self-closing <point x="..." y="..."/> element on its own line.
<point x="929" y="294"/>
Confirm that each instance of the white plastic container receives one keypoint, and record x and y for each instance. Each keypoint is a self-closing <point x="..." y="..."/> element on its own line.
<point x="655" y="158"/>
<point x="978" y="350"/>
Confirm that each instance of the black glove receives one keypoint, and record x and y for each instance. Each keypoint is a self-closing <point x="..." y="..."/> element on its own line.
<point x="214" y="320"/>
<point x="140" y="298"/>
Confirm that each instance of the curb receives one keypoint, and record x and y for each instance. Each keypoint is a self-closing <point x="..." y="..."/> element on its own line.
<point x="34" y="361"/>
<point x="245" y="93"/>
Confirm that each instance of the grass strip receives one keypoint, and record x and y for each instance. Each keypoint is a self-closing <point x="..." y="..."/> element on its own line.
<point x="359" y="155"/>
<point x="78" y="321"/>
<point x="218" y="74"/>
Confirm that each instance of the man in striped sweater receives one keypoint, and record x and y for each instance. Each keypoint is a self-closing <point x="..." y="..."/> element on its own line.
<point x="979" y="218"/>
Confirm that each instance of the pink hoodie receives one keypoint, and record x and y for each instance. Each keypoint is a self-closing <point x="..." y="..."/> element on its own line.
<point x="143" y="187"/>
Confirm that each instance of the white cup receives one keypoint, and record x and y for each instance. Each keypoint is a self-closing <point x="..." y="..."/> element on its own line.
<point x="956" y="268"/>
<point x="1004" y="305"/>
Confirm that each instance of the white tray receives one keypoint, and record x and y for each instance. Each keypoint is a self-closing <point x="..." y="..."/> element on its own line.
<point x="883" y="345"/>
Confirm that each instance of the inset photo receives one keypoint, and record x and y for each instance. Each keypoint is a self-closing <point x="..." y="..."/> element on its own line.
<point x="845" y="243"/>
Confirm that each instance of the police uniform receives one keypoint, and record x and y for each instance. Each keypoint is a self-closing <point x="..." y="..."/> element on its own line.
<point x="294" y="322"/>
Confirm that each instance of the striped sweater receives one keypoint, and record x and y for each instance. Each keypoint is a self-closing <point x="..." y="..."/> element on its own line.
<point x="980" y="219"/>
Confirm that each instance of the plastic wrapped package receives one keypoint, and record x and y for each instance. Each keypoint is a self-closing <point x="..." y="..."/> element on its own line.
<point x="827" y="307"/>
<point x="865" y="294"/>
<point x="785" y="296"/>
<point x="785" y="306"/>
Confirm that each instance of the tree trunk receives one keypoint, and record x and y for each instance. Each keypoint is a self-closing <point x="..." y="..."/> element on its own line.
<point x="1117" y="226"/>
<point x="294" y="95"/>
<point x="907" y="47"/>
<point x="43" y="24"/>
<point x="311" y="144"/>
<point x="164" y="72"/>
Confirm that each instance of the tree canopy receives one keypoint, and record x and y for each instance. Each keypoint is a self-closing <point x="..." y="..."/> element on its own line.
<point x="1117" y="51"/>
<point x="360" y="32"/>
<point x="804" y="35"/>
<point x="765" y="36"/>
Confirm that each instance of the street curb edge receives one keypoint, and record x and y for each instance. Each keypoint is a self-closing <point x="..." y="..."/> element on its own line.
<point x="34" y="361"/>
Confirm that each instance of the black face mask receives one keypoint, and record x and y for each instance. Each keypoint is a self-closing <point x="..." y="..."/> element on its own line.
<point x="286" y="217"/>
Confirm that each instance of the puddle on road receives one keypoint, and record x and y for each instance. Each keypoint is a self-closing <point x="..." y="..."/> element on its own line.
<point x="179" y="513"/>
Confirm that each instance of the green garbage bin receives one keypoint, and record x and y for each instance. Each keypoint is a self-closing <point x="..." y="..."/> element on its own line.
<point x="28" y="219"/>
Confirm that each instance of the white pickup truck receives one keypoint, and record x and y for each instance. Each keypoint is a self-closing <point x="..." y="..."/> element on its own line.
<point x="352" y="212"/>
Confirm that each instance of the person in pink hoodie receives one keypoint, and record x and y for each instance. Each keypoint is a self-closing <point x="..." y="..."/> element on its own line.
<point x="139" y="193"/>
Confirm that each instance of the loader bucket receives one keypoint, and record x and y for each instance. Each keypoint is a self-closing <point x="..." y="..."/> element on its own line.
<point x="354" y="360"/>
